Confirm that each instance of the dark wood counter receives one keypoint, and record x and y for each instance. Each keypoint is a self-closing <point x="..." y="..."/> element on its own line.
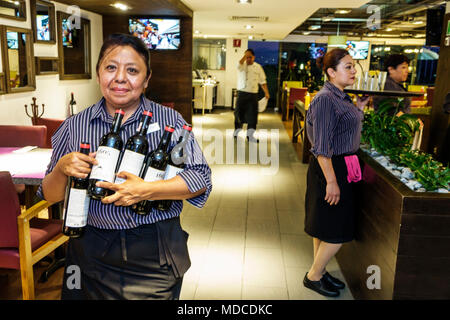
<point x="405" y="233"/>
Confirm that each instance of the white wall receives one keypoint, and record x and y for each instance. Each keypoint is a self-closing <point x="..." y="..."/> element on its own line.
<point x="51" y="91"/>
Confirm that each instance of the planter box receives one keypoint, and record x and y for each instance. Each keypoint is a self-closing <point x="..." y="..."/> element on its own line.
<point x="405" y="233"/>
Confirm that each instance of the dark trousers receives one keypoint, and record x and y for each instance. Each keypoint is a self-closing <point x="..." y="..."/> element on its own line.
<point x="118" y="264"/>
<point x="246" y="110"/>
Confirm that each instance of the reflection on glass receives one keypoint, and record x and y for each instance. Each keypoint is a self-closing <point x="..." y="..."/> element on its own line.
<point x="16" y="43"/>
<point x="11" y="8"/>
<point x="42" y="22"/>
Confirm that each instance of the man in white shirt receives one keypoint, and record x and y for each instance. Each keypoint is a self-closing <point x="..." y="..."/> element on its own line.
<point x="250" y="76"/>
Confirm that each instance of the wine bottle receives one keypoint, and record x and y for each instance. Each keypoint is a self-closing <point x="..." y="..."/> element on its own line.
<point x="107" y="156"/>
<point x="154" y="168"/>
<point x="177" y="161"/>
<point x="72" y="102"/>
<point x="136" y="149"/>
<point x="76" y="203"/>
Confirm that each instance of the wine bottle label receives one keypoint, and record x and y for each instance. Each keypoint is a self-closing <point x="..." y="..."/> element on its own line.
<point x="107" y="160"/>
<point x="132" y="163"/>
<point x="154" y="175"/>
<point x="77" y="208"/>
<point x="171" y="172"/>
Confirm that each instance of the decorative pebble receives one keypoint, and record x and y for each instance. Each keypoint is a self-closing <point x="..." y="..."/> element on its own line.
<point x="421" y="190"/>
<point x="442" y="190"/>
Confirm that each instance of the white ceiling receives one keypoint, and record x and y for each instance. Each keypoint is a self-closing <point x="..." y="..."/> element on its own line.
<point x="211" y="17"/>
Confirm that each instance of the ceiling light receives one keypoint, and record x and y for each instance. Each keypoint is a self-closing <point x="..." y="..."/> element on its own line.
<point x="327" y="18"/>
<point x="244" y="1"/>
<point x="417" y="22"/>
<point x="342" y="11"/>
<point x="248" y="27"/>
<point x="314" y="27"/>
<point x="306" y="33"/>
<point x="120" y="6"/>
<point x="389" y="29"/>
<point x="197" y="32"/>
<point x="250" y="37"/>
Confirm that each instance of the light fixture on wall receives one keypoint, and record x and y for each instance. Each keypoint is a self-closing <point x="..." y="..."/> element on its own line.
<point x="244" y="1"/>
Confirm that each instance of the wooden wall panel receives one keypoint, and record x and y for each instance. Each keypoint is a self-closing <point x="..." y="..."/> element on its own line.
<point x="171" y="79"/>
<point x="440" y="121"/>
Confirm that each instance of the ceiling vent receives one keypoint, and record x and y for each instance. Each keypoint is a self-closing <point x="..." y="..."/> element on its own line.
<point x="249" y="18"/>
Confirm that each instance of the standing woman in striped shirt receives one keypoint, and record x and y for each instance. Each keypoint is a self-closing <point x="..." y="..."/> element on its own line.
<point x="123" y="255"/>
<point x="333" y="125"/>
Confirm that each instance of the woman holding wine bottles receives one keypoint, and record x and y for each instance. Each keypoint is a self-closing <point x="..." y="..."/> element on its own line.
<point x="125" y="253"/>
<point x="333" y="125"/>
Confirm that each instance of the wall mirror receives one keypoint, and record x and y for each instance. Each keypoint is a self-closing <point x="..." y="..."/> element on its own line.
<point x="17" y="59"/>
<point x="43" y="21"/>
<point x="74" y="47"/>
<point x="13" y="9"/>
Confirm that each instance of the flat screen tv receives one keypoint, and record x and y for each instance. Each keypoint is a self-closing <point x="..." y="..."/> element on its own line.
<point x="316" y="51"/>
<point x="157" y="33"/>
<point x="359" y="50"/>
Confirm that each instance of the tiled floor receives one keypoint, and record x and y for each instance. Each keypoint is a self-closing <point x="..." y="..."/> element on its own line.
<point x="248" y="241"/>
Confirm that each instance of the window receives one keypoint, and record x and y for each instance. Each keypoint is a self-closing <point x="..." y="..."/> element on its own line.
<point x="209" y="54"/>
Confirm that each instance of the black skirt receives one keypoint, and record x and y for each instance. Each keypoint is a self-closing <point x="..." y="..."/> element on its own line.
<point x="330" y="223"/>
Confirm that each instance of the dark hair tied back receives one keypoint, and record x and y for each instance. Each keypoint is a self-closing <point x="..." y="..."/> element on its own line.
<point x="121" y="39"/>
<point x="332" y="58"/>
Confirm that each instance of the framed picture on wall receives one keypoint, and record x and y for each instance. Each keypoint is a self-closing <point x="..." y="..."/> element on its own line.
<point x="74" y="47"/>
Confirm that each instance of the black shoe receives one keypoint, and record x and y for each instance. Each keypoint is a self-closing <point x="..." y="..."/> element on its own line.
<point x="334" y="282"/>
<point x="322" y="287"/>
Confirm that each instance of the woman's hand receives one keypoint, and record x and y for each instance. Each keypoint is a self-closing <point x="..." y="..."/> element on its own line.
<point x="127" y="193"/>
<point x="361" y="102"/>
<point x="76" y="164"/>
<point x="333" y="193"/>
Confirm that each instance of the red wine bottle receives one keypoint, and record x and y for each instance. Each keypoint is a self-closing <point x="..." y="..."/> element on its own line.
<point x="136" y="149"/>
<point x="177" y="161"/>
<point x="107" y="156"/>
<point x="154" y="169"/>
<point x="76" y="203"/>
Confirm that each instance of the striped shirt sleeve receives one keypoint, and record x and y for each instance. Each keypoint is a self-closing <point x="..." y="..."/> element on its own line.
<point x="197" y="173"/>
<point x="324" y="124"/>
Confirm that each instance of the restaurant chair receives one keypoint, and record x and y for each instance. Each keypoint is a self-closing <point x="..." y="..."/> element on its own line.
<point x="25" y="239"/>
<point x="21" y="136"/>
<point x="295" y="94"/>
<point x="51" y="124"/>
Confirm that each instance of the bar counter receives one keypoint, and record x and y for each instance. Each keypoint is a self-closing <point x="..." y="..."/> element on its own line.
<point x="404" y="233"/>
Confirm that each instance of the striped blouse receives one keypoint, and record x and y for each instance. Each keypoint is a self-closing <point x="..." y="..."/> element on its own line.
<point x="333" y="123"/>
<point x="92" y="123"/>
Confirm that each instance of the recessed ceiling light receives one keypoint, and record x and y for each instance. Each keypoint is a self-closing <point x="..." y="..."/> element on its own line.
<point x="248" y="27"/>
<point x="314" y="27"/>
<point x="244" y="1"/>
<point x="120" y="6"/>
<point x="342" y="11"/>
<point x="389" y="29"/>
<point x="250" y="37"/>
<point x="417" y="22"/>
<point x="197" y="32"/>
<point x="306" y="33"/>
<point x="327" y="18"/>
